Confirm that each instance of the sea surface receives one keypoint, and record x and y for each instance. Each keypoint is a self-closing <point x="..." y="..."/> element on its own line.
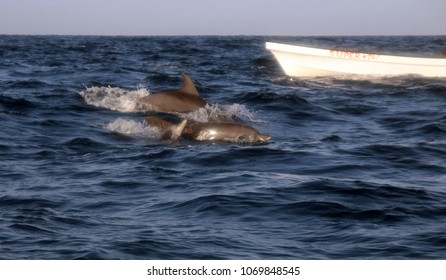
<point x="356" y="168"/>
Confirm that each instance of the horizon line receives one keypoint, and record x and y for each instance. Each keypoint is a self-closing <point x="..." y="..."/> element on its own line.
<point x="221" y="35"/>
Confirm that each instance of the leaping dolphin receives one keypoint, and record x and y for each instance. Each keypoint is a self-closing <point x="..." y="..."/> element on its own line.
<point x="185" y="100"/>
<point x="218" y="132"/>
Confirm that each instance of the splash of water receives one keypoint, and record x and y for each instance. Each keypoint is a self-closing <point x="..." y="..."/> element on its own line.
<point x="113" y="98"/>
<point x="220" y="113"/>
<point x="132" y="128"/>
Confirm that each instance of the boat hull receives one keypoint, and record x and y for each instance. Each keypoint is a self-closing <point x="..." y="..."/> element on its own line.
<point x="300" y="61"/>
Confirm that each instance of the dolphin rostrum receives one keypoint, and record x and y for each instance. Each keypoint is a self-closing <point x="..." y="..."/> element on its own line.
<point x="185" y="100"/>
<point x="218" y="132"/>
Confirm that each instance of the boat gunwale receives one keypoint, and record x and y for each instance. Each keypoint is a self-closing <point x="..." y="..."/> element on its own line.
<point x="388" y="59"/>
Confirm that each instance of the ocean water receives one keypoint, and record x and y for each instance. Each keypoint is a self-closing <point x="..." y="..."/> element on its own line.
<point x="356" y="168"/>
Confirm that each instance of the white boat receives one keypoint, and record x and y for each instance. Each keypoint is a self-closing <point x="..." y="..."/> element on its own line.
<point x="298" y="61"/>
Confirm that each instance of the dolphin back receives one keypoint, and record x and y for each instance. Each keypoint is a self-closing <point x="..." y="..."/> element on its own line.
<point x="185" y="100"/>
<point x="157" y="122"/>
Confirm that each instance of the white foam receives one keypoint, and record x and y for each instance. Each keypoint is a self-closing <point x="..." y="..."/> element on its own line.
<point x="233" y="112"/>
<point x="113" y="98"/>
<point x="132" y="128"/>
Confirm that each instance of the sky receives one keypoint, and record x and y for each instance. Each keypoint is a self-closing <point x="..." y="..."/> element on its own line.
<point x="223" y="17"/>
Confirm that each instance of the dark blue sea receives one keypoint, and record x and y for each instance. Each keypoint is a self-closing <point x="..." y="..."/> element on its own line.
<point x="356" y="168"/>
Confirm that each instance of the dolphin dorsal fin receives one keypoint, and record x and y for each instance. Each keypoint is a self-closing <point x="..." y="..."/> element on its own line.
<point x="177" y="130"/>
<point x="188" y="86"/>
<point x="169" y="131"/>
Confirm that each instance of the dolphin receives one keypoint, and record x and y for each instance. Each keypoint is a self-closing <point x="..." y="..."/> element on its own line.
<point x="184" y="100"/>
<point x="214" y="132"/>
<point x="173" y="131"/>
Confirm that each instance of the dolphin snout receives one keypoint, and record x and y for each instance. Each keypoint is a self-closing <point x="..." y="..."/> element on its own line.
<point x="263" y="138"/>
